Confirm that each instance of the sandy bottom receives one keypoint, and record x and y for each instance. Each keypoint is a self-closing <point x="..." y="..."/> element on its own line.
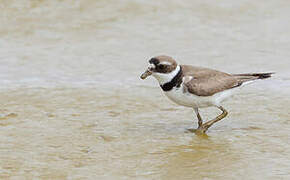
<point x="81" y="133"/>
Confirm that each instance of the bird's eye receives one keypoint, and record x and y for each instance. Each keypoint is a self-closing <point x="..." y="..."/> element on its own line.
<point x="161" y="66"/>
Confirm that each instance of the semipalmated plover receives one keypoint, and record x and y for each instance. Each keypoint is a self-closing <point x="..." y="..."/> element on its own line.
<point x="197" y="87"/>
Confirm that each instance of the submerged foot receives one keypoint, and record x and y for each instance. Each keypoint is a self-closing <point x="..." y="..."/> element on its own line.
<point x="199" y="131"/>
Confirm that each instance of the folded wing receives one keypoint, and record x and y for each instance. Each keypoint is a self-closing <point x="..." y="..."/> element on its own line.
<point x="206" y="82"/>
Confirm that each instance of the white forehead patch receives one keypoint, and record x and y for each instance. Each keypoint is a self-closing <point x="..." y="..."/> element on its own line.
<point x="165" y="63"/>
<point x="151" y="66"/>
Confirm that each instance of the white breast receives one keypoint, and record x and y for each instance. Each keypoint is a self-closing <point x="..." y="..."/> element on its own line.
<point x="179" y="96"/>
<point x="184" y="98"/>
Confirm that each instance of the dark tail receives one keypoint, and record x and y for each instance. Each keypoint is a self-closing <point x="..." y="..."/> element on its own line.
<point x="253" y="76"/>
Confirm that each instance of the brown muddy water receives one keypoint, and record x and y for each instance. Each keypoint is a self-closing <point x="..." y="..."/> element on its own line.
<point x="72" y="105"/>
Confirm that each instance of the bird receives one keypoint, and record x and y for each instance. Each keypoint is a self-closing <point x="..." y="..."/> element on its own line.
<point x="197" y="87"/>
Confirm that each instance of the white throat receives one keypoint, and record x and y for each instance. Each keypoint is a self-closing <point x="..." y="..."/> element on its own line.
<point x="163" y="78"/>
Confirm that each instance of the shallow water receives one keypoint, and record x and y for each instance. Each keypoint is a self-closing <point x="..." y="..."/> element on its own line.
<point x="73" y="107"/>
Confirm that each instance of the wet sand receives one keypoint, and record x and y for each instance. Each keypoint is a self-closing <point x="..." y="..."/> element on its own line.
<point x="77" y="133"/>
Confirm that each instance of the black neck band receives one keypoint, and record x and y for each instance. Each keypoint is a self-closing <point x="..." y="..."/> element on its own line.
<point x="176" y="81"/>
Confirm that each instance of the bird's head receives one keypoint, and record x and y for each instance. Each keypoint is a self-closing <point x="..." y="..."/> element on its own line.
<point x="161" y="67"/>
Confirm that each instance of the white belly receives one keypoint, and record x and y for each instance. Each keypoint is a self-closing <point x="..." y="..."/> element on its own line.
<point x="190" y="100"/>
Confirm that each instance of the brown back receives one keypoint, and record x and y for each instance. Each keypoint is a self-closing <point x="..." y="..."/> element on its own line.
<point x="207" y="82"/>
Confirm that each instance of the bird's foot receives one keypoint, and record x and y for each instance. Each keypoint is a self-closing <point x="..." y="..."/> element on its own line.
<point x="199" y="130"/>
<point x="202" y="129"/>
